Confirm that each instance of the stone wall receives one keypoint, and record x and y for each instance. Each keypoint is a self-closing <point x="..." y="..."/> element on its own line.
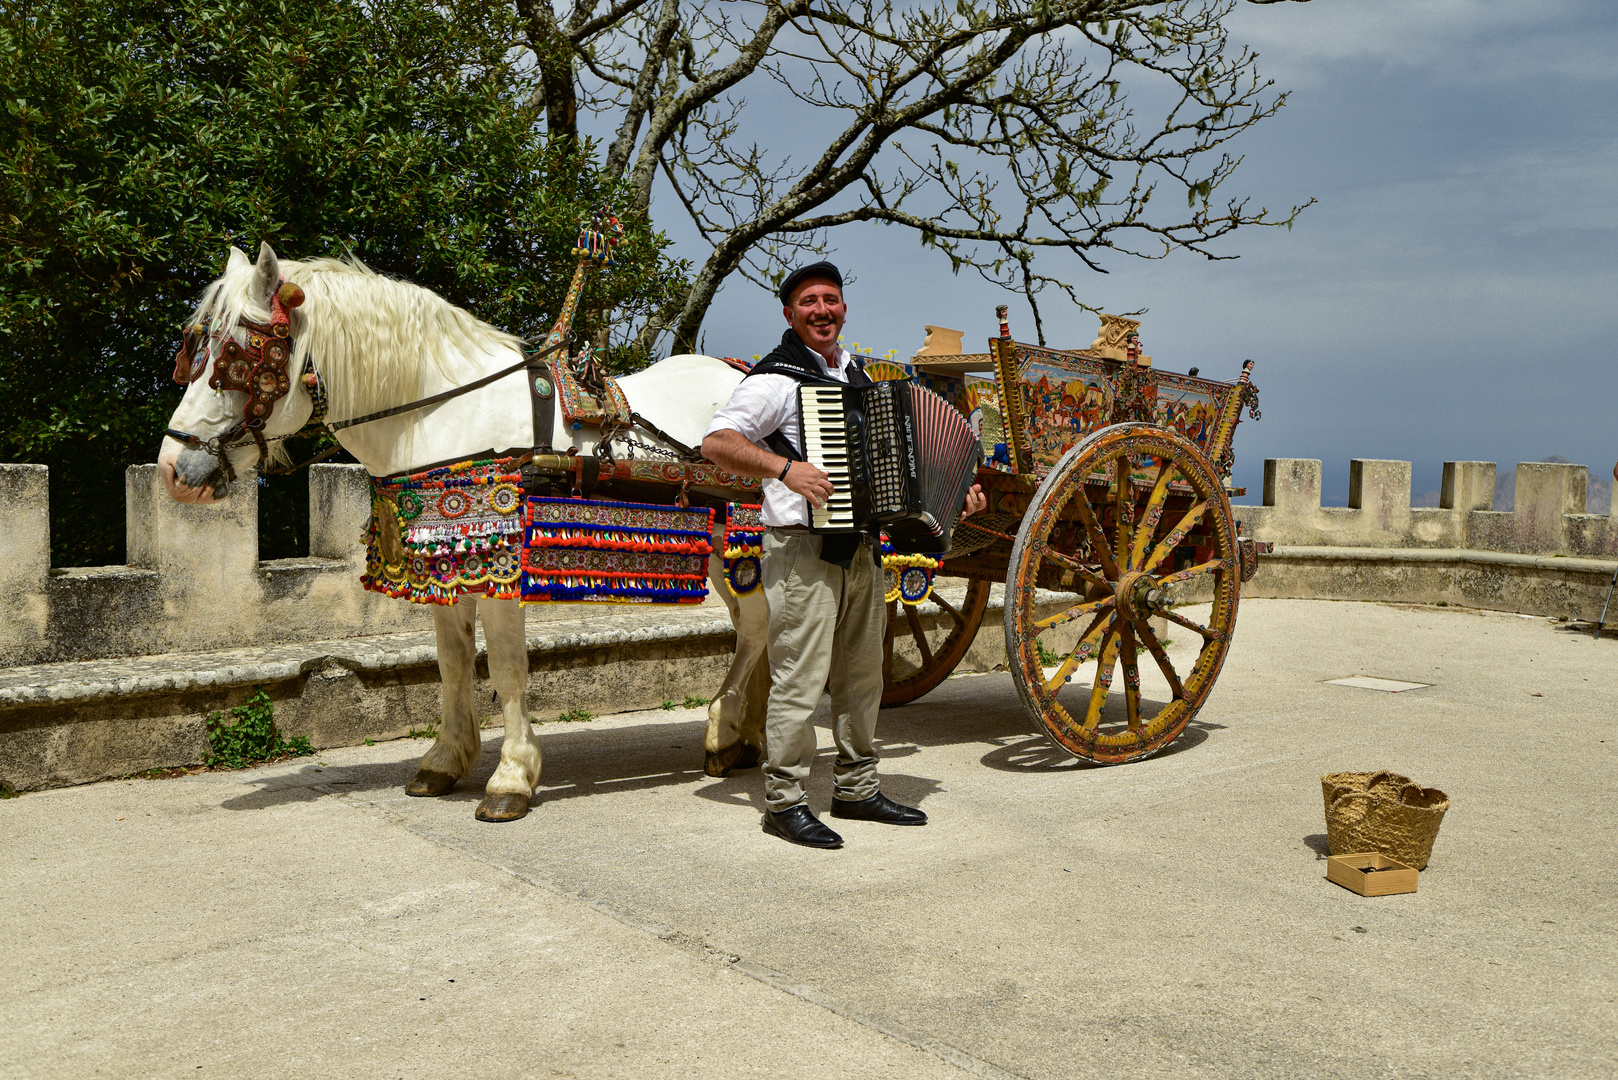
<point x="194" y="580"/>
<point x="1545" y="557"/>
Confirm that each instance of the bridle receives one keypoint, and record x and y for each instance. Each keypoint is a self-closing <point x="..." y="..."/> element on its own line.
<point x="257" y="369"/>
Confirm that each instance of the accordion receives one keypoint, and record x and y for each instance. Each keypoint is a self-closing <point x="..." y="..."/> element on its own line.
<point x="900" y="458"/>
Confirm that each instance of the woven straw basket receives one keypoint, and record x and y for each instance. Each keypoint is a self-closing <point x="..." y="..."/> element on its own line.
<point x="1382" y="811"/>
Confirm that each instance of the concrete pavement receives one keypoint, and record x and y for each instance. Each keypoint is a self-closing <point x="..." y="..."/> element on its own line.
<point x="1053" y="920"/>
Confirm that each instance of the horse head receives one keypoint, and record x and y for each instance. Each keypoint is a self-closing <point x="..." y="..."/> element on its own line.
<point x="244" y="390"/>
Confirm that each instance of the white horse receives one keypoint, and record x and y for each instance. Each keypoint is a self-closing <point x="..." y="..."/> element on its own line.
<point x="378" y="343"/>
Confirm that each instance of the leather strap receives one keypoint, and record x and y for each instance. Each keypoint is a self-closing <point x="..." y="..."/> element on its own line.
<point x="542" y="392"/>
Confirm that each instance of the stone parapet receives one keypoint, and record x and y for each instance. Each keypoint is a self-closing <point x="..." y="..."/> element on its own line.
<point x="194" y="580"/>
<point x="1548" y="518"/>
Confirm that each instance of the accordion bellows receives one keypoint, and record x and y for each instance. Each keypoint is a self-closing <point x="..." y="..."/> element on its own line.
<point x="466" y="529"/>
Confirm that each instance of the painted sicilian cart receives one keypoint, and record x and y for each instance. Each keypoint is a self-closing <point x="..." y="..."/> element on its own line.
<point x="1107" y="482"/>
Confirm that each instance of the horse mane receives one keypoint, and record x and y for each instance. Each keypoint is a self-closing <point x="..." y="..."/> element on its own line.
<point x="376" y="341"/>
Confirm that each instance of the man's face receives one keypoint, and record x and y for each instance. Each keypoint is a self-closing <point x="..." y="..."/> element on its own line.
<point x="817" y="312"/>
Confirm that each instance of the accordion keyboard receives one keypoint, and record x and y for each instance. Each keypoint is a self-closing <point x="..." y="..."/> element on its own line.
<point x="825" y="445"/>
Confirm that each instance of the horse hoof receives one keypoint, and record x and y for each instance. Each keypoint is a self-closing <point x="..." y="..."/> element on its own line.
<point x="429" y="782"/>
<point x="502" y="807"/>
<point x="737" y="755"/>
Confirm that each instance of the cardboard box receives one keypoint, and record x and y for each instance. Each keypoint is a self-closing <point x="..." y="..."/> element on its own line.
<point x="1387" y="877"/>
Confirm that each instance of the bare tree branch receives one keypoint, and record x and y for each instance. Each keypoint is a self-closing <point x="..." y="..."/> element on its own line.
<point x="1000" y="133"/>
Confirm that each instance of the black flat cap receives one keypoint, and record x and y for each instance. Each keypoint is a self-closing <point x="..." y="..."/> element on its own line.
<point x="804" y="273"/>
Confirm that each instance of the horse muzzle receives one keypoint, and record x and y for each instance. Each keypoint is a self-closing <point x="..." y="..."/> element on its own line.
<point x="194" y="476"/>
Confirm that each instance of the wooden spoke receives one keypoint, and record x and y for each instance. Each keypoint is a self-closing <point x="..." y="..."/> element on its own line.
<point x="1164" y="664"/>
<point x="1082" y="651"/>
<point x="1176" y="617"/>
<point x="1166" y="546"/>
<point x="1068" y="562"/>
<point x="1192" y="571"/>
<point x="1075" y="612"/>
<point x="1126" y="638"/>
<point x="960" y="620"/>
<point x="1123" y="511"/>
<point x="1098" y="692"/>
<point x="918" y="634"/>
<point x="1152" y="513"/>
<point x="1098" y="541"/>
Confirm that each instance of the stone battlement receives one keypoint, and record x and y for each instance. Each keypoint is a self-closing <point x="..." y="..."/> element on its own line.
<point x="194" y="580"/>
<point x="1544" y="557"/>
<point x="1548" y="519"/>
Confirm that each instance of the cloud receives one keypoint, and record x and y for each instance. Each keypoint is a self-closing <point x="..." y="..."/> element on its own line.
<point x="1451" y="42"/>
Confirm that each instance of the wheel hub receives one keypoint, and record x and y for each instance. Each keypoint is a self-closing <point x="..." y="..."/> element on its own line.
<point x="1139" y="595"/>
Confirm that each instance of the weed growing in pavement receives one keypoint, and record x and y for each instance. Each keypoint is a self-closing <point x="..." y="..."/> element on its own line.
<point x="428" y="732"/>
<point x="1047" y="658"/>
<point x="671" y="704"/>
<point x="252" y="738"/>
<point x="575" y="716"/>
<point x="692" y="701"/>
<point x="7" y="793"/>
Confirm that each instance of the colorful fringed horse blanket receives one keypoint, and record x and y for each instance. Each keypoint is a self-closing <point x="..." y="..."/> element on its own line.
<point x="466" y="529"/>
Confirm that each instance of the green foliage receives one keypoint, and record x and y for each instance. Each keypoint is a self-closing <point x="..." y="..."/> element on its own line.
<point x="140" y="138"/>
<point x="1047" y="658"/>
<point x="670" y="704"/>
<point x="252" y="738"/>
<point x="692" y="701"/>
<point x="8" y="793"/>
<point x="428" y="732"/>
<point x="575" y="716"/>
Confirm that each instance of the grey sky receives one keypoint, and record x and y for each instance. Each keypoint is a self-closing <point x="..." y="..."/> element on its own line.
<point x="1448" y="298"/>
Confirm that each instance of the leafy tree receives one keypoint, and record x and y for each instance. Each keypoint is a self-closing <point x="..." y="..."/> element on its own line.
<point x="998" y="132"/>
<point x="141" y="137"/>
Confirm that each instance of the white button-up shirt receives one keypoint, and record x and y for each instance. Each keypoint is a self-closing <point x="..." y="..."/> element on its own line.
<point x="765" y="403"/>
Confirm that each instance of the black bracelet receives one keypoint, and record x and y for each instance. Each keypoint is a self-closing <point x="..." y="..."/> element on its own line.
<point x="785" y="470"/>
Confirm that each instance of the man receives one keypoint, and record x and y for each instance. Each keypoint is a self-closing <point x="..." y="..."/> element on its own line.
<point x="825" y="593"/>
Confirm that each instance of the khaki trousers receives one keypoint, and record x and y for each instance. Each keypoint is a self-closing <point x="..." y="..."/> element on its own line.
<point x="826" y="628"/>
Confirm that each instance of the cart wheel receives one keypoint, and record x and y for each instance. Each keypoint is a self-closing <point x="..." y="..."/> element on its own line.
<point x="1126" y="513"/>
<point x="917" y="657"/>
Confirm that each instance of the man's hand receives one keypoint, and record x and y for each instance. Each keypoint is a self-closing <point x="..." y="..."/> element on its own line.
<point x="976" y="502"/>
<point x="810" y="481"/>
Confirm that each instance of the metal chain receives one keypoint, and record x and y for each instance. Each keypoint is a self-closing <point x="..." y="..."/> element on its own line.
<point x="654" y="451"/>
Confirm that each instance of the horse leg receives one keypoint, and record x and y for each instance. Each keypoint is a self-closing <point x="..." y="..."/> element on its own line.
<point x="457" y="747"/>
<point x="506" y="797"/>
<point x="734" y="738"/>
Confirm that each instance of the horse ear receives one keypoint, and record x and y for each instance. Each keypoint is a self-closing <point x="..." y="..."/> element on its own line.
<point x="237" y="257"/>
<point x="267" y="274"/>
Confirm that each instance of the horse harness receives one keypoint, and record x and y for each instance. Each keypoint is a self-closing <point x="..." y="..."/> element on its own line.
<point x="259" y="370"/>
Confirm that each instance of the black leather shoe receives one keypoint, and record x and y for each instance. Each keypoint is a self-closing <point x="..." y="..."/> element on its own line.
<point x="799" y="824"/>
<point x="878" y="808"/>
